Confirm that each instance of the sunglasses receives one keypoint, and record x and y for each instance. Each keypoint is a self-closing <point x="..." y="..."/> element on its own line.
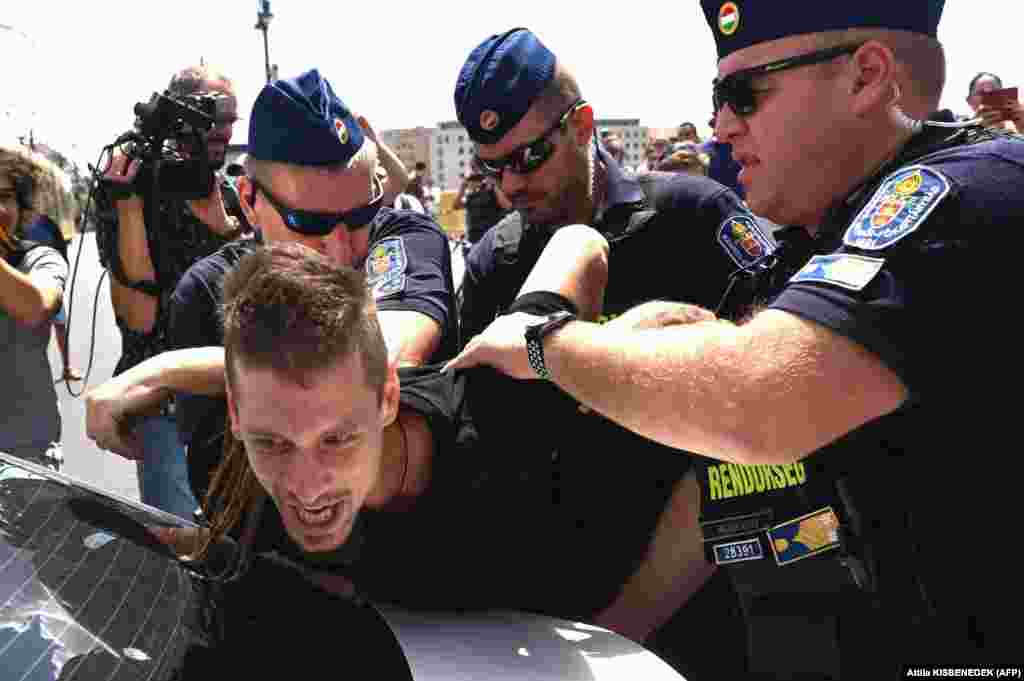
<point x="321" y="224"/>
<point x="530" y="156"/>
<point x="737" y="89"/>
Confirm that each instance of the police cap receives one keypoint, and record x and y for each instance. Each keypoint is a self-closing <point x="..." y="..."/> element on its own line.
<point x="738" y="24"/>
<point x="301" y="121"/>
<point x="499" y="81"/>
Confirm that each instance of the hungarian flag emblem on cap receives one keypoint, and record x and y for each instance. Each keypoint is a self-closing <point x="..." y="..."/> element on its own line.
<point x="729" y="18"/>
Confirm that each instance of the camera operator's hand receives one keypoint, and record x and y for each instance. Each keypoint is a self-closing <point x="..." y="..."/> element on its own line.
<point x="121" y="173"/>
<point x="214" y="213"/>
<point x="113" y="409"/>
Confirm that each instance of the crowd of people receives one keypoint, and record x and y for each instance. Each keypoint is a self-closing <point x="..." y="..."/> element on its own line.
<point x="714" y="403"/>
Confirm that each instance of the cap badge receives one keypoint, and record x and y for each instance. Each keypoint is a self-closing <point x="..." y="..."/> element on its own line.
<point x="728" y="18"/>
<point x="342" y="130"/>
<point x="489" y="120"/>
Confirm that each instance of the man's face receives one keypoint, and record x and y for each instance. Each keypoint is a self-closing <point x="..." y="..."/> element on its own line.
<point x="317" y="190"/>
<point x="792" y="149"/>
<point x="10" y="213"/>
<point x="556" y="191"/>
<point x="316" y="449"/>
<point x="687" y="133"/>
<point x="984" y="84"/>
<point x="219" y="137"/>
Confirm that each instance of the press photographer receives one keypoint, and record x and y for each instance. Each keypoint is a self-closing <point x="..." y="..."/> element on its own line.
<point x="164" y="204"/>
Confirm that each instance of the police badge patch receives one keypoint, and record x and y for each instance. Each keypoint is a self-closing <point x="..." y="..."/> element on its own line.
<point x="385" y="268"/>
<point x="898" y="208"/>
<point x="852" y="272"/>
<point x="743" y="240"/>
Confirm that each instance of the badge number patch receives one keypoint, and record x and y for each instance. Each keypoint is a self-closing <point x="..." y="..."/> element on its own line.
<point x="898" y="208"/>
<point x="743" y="240"/>
<point x="738" y="551"/>
<point x="385" y="267"/>
<point x="805" y="536"/>
<point x="852" y="272"/>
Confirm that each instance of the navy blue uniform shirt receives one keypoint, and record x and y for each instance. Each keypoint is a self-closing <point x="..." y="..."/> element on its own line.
<point x="663" y="229"/>
<point x="408" y="267"/>
<point x="871" y="528"/>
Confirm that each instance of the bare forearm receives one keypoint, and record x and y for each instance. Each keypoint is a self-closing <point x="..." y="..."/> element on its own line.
<point x="137" y="309"/>
<point x="767" y="392"/>
<point x="398" y="176"/>
<point x="23" y="300"/>
<point x="194" y="370"/>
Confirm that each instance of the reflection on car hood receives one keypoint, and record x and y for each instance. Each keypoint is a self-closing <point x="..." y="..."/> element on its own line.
<point x="87" y="592"/>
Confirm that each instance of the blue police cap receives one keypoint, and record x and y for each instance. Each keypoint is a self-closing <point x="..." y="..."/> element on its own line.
<point x="738" y="24"/>
<point x="301" y="121"/>
<point x="499" y="81"/>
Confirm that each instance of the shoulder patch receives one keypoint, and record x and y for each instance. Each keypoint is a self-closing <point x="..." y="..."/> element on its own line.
<point x="741" y="237"/>
<point x="385" y="267"/>
<point x="852" y="272"/>
<point x="898" y="208"/>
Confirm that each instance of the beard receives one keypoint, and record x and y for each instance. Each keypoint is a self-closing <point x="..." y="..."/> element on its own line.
<point x="562" y="207"/>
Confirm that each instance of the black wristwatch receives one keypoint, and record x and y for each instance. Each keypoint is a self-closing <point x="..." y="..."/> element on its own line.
<point x="535" y="334"/>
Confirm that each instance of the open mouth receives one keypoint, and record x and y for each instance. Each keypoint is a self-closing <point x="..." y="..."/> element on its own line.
<point x="320" y="517"/>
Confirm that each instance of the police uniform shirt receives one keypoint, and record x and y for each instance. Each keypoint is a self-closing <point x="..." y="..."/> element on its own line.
<point x="665" y="232"/>
<point x="408" y="267"/>
<point x="875" y="516"/>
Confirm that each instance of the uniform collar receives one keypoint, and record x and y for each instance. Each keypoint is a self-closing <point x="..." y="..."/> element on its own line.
<point x="920" y="144"/>
<point x="621" y="188"/>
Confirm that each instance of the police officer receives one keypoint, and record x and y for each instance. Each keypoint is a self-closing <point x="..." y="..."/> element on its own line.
<point x="310" y="178"/>
<point x="671" y="237"/>
<point x="535" y="134"/>
<point x="836" y="415"/>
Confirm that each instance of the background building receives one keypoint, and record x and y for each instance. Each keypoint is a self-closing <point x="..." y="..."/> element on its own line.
<point x="411" y="145"/>
<point x="634" y="136"/>
<point x="450" y="154"/>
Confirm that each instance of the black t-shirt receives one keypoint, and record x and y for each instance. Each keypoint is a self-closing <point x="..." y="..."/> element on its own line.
<point x="180" y="240"/>
<point x="408" y="266"/>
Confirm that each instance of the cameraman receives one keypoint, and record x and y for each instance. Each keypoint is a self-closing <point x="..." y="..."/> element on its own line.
<point x="147" y="260"/>
<point x="484" y="202"/>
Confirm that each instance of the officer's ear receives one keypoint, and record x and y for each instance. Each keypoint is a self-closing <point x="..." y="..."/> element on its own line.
<point x="871" y="77"/>
<point x="247" y="194"/>
<point x="583" y="124"/>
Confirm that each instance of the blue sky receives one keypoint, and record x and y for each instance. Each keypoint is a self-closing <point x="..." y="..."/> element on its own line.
<point x="83" y="65"/>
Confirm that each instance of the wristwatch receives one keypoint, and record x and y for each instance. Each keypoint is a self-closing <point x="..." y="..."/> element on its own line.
<point x="535" y="334"/>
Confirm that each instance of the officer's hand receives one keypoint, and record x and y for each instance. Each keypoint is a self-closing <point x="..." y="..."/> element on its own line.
<point x="502" y="345"/>
<point x="113" y="409"/>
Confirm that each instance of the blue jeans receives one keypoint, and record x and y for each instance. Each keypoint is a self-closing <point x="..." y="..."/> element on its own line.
<point x="163" y="473"/>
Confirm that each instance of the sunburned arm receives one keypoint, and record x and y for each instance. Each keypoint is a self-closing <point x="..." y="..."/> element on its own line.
<point x="770" y="391"/>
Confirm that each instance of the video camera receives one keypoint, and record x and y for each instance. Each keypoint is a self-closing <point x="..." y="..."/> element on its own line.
<point x="164" y="127"/>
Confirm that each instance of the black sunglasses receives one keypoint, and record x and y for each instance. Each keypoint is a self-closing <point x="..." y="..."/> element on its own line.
<point x="737" y="89"/>
<point x="527" y="157"/>
<point x="322" y="224"/>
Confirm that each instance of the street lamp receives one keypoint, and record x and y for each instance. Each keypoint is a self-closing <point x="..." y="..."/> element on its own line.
<point x="263" y="17"/>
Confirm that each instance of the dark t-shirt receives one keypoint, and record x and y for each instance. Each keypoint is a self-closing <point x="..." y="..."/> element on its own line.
<point x="408" y="266"/>
<point x="180" y="240"/>
<point x="482" y="212"/>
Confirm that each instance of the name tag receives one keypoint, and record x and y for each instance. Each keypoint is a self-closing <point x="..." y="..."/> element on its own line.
<point x="805" y="536"/>
<point x="738" y="551"/>
<point x="736" y="526"/>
